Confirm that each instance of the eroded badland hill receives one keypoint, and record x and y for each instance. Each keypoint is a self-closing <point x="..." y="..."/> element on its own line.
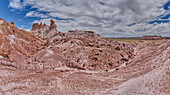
<point x="45" y="61"/>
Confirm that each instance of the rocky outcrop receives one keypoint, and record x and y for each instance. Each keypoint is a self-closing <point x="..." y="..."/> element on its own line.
<point x="37" y="26"/>
<point x="45" y="31"/>
<point x="52" y="24"/>
<point x="12" y="23"/>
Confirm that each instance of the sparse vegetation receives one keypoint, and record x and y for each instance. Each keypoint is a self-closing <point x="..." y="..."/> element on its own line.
<point x="131" y="40"/>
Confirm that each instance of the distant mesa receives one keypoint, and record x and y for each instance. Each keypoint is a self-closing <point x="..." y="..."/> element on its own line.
<point x="152" y="37"/>
<point x="81" y="31"/>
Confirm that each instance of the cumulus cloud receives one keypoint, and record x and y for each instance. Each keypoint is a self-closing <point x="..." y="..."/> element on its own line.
<point x="107" y="17"/>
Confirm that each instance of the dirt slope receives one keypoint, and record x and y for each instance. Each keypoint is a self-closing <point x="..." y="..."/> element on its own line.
<point x="149" y="72"/>
<point x="17" y="44"/>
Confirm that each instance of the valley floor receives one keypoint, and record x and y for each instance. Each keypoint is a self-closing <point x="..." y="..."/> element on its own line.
<point x="147" y="74"/>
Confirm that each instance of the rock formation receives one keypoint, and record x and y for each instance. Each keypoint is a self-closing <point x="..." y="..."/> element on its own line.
<point x="45" y="31"/>
<point x="12" y="23"/>
<point x="52" y="24"/>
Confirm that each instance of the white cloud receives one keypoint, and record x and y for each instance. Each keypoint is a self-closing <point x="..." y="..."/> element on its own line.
<point x="36" y="14"/>
<point x="107" y="17"/>
<point x="16" y="4"/>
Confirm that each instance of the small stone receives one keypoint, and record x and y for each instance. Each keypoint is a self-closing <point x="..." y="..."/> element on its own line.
<point x="100" y="51"/>
<point x="95" y="57"/>
<point x="109" y="45"/>
<point x="117" y="69"/>
<point x="110" y="63"/>
<point x="124" y="59"/>
<point x="102" y="44"/>
<point x="97" y="53"/>
<point x="117" y="48"/>
<point x="122" y="55"/>
<point x="90" y="56"/>
<point x="91" y="44"/>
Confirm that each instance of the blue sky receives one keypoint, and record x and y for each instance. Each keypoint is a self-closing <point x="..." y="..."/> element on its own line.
<point x="18" y="16"/>
<point x="111" y="18"/>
